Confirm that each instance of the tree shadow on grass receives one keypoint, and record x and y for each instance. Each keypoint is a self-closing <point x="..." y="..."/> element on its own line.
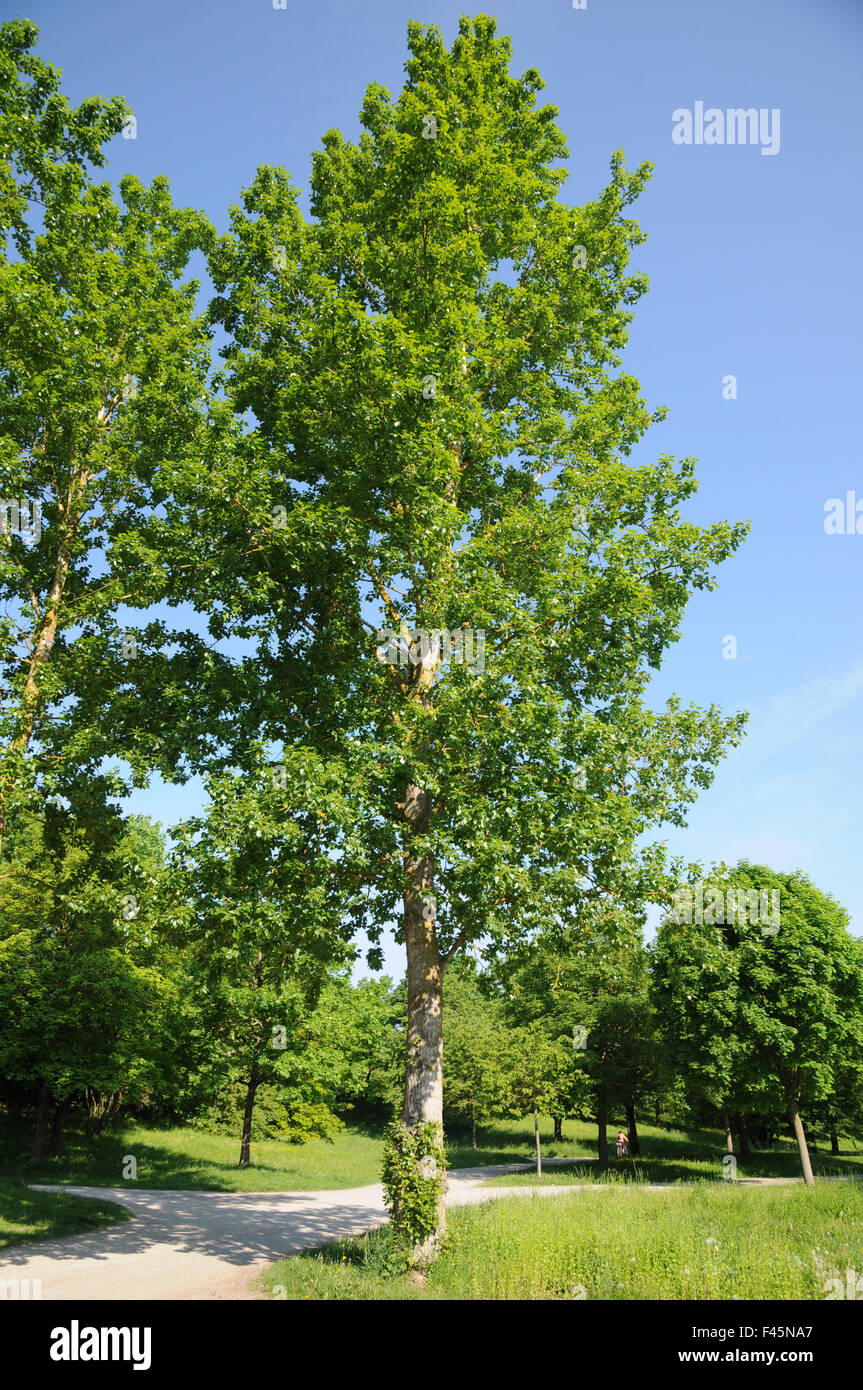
<point x="700" y="1166"/>
<point x="99" y="1160"/>
<point x="46" y="1215"/>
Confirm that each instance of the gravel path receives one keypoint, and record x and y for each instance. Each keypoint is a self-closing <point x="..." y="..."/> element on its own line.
<point x="206" y="1245"/>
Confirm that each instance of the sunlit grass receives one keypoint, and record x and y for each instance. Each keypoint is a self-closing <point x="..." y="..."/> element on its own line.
<point x="185" y="1158"/>
<point x="182" y="1157"/>
<point x="779" y="1162"/>
<point x="626" y="1243"/>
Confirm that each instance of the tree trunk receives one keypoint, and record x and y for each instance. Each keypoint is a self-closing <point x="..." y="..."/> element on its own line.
<point x="246" y="1142"/>
<point x="45" y="630"/>
<point x="632" y="1131"/>
<point x="423" y="1102"/>
<point x="57" y="1130"/>
<point x="473" y="1125"/>
<point x="743" y="1132"/>
<point x="729" y="1138"/>
<point x="40" y="1138"/>
<point x="834" y="1142"/>
<point x="602" y="1133"/>
<point x="558" y="1130"/>
<point x="800" y="1136"/>
<point x="536" y="1142"/>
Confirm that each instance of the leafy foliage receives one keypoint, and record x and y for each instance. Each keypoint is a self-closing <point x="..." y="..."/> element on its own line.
<point x="414" y="1176"/>
<point x="745" y="1010"/>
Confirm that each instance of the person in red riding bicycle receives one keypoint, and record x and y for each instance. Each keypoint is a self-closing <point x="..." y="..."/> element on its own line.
<point x="622" y="1144"/>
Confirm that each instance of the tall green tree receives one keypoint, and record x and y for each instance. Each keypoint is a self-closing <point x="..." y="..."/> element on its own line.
<point x="88" y="984"/>
<point x="477" y="1056"/>
<point x="762" y="989"/>
<point x="456" y="579"/>
<point x="103" y="369"/>
<point x="262" y="912"/>
<point x="588" y="983"/>
<point x="539" y="1070"/>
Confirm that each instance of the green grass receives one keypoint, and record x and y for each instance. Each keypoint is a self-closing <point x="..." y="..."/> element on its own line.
<point x="27" y="1215"/>
<point x="186" y="1158"/>
<point x="666" y="1156"/>
<point x="511" y="1141"/>
<point x="779" y="1162"/>
<point x="700" y="1242"/>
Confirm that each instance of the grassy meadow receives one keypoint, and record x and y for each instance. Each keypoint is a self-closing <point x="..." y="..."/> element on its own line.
<point x="185" y="1158"/>
<point x="698" y="1242"/>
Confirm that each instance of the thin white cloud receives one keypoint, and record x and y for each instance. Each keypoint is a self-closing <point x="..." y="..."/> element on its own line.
<point x="793" y="712"/>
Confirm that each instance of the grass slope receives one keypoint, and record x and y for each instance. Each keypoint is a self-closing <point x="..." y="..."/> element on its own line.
<point x="184" y="1158"/>
<point x="188" y="1159"/>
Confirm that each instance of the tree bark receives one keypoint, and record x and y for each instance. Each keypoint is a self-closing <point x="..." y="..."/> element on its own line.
<point x="793" y="1101"/>
<point x="632" y="1131"/>
<point x="729" y="1137"/>
<point x="423" y="1098"/>
<point x="834" y="1142"/>
<point x="40" y="1138"/>
<point x="246" y="1142"/>
<point x="57" y="1130"/>
<point x="537" y="1144"/>
<point x="45" y="630"/>
<point x="473" y="1124"/>
<point x="558" y="1130"/>
<point x="743" y="1132"/>
<point x="602" y="1133"/>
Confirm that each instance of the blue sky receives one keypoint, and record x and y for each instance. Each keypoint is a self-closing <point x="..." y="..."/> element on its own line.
<point x="749" y="258"/>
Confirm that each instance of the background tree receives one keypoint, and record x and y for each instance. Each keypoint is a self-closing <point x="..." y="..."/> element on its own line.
<point x="103" y="369"/>
<point x="87" y="982"/>
<point x="538" y="1067"/>
<point x="587" y="983"/>
<point x="743" y="1005"/>
<point x="357" y="1040"/>
<point x="263" y="917"/>
<point x="621" y="1056"/>
<point x="476" y="1059"/>
<point x="842" y="1111"/>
